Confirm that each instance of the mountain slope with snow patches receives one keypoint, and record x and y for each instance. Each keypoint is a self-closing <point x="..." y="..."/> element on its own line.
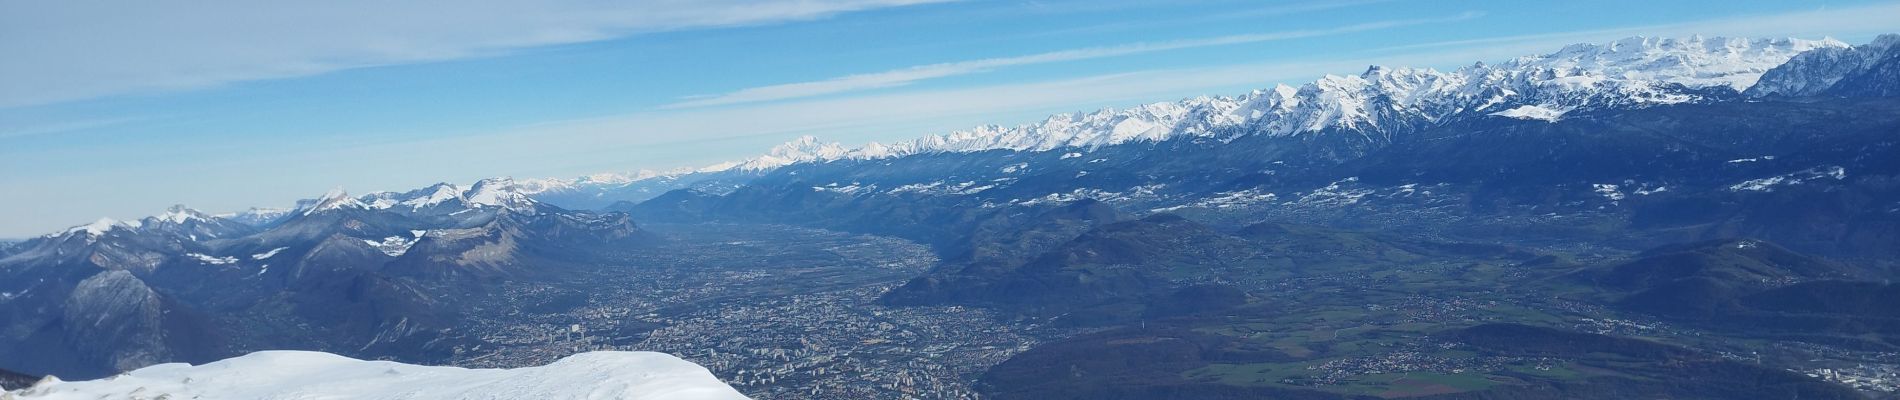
<point x="1816" y="72"/>
<point x="115" y="295"/>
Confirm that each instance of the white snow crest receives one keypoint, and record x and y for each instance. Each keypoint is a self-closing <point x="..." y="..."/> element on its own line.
<point x="394" y="245"/>
<point x="212" y="260"/>
<point x="99" y="227"/>
<point x="336" y="199"/>
<point x="1768" y="184"/>
<point x="317" y="375"/>
<point x="179" y="214"/>
<point x="268" y="254"/>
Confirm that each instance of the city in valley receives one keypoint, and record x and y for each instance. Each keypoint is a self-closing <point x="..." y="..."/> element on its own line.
<point x="776" y="311"/>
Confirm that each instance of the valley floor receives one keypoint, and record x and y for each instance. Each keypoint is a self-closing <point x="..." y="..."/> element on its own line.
<point x="778" y="312"/>
<point x="791" y="313"/>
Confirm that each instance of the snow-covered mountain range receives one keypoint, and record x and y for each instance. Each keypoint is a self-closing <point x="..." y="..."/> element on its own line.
<point x="1632" y="72"/>
<point x="316" y="375"/>
<point x="1629" y="73"/>
<point x="435" y="200"/>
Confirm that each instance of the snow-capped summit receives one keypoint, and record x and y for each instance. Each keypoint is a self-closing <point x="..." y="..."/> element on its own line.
<point x="188" y="224"/>
<point x="1696" y="62"/>
<point x="803" y="149"/>
<point x="101" y="226"/>
<point x="179" y="214"/>
<point x="413" y="200"/>
<point x="433" y="200"/>
<point x="258" y="216"/>
<point x="312" y="375"/>
<point x="430" y="196"/>
<point x="498" y="192"/>
<point x="543" y="185"/>
<point x="335" y="199"/>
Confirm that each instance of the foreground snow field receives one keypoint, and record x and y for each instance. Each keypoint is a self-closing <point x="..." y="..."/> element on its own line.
<point x="317" y="375"/>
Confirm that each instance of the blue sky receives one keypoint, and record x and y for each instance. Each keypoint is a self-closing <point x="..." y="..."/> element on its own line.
<point x="121" y="108"/>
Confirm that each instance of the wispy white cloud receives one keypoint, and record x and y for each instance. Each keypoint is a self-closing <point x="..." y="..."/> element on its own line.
<point x="1270" y="10"/>
<point x="67" y="50"/>
<point x="906" y="76"/>
<point x="9" y="130"/>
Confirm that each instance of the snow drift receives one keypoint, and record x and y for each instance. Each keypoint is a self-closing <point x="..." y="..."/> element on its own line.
<point x="317" y="375"/>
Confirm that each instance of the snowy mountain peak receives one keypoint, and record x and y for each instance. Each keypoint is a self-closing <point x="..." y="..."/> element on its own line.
<point x="413" y="200"/>
<point x="1695" y="61"/>
<point x="543" y="185"/>
<point x="430" y="196"/>
<point x="807" y="147"/>
<point x="335" y="199"/>
<point x="101" y="226"/>
<point x="496" y="182"/>
<point x="493" y="192"/>
<point x="499" y="192"/>
<point x="179" y="214"/>
<point x="258" y="216"/>
<point x="803" y="149"/>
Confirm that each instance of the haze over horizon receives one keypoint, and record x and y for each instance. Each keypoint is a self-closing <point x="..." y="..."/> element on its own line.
<point x="121" y="109"/>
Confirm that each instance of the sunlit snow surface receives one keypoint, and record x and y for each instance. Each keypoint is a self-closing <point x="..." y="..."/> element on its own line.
<point x="1533" y="112"/>
<point x="316" y="375"/>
